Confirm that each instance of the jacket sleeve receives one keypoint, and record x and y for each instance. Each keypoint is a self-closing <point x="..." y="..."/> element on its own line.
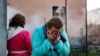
<point x="63" y="48"/>
<point x="40" y="46"/>
<point x="28" y="42"/>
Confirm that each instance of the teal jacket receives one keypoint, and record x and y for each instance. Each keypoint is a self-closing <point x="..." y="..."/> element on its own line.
<point x="43" y="47"/>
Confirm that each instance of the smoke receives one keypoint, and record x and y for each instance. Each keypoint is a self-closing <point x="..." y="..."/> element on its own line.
<point x="10" y="13"/>
<point x="93" y="17"/>
<point x="34" y="21"/>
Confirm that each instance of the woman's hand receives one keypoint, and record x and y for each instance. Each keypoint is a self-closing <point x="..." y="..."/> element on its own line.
<point x="53" y="36"/>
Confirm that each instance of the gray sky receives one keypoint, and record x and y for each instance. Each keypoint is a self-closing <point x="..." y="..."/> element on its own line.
<point x="93" y="4"/>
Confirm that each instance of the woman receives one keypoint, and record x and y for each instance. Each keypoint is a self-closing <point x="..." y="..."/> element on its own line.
<point x="19" y="41"/>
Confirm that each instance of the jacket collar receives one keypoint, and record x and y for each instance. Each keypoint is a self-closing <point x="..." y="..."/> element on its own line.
<point x="14" y="31"/>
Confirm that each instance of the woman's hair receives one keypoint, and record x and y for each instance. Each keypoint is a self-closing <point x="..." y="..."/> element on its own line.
<point x="17" y="20"/>
<point x="54" y="22"/>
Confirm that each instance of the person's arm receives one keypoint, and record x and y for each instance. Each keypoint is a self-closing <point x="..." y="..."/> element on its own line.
<point x="28" y="41"/>
<point x="63" y="48"/>
<point x="40" y="46"/>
